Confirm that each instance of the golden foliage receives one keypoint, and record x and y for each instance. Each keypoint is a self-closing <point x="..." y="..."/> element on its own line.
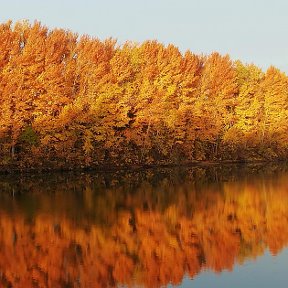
<point x="133" y="104"/>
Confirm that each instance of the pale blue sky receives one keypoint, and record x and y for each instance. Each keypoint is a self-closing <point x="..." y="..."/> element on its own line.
<point x="250" y="30"/>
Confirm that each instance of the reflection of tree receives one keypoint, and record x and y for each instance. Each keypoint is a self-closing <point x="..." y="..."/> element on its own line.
<point x="160" y="227"/>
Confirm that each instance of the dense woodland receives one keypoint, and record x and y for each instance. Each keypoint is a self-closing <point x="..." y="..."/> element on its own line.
<point x="148" y="231"/>
<point x="71" y="101"/>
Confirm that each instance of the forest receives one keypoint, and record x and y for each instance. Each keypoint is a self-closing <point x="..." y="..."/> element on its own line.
<point x="77" y="101"/>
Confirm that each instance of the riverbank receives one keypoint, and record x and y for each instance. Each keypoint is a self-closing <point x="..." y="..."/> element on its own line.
<point x="20" y="169"/>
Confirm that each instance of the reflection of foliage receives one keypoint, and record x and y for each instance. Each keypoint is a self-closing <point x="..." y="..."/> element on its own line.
<point x="142" y="228"/>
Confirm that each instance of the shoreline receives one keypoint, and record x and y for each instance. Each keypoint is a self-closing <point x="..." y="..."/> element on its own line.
<point x="13" y="169"/>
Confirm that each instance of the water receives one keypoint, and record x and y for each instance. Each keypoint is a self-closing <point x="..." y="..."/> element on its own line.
<point x="195" y="227"/>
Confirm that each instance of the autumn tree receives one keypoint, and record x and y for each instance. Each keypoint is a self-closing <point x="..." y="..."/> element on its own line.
<point x="217" y="99"/>
<point x="80" y="101"/>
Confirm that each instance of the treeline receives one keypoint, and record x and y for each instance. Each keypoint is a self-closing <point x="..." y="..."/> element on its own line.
<point x="93" y="231"/>
<point x="67" y="101"/>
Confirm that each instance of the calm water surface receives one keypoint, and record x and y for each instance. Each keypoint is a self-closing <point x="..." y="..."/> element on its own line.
<point x="195" y="227"/>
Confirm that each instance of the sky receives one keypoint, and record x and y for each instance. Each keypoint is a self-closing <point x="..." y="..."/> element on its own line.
<point x="254" y="31"/>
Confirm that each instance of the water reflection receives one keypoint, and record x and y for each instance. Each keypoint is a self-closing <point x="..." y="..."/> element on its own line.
<point x="143" y="228"/>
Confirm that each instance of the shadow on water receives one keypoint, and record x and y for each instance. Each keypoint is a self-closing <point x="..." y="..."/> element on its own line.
<point x="148" y="228"/>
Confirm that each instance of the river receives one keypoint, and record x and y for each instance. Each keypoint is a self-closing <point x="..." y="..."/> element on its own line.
<point x="214" y="226"/>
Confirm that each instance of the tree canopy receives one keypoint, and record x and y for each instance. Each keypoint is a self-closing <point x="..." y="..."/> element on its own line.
<point x="75" y="100"/>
